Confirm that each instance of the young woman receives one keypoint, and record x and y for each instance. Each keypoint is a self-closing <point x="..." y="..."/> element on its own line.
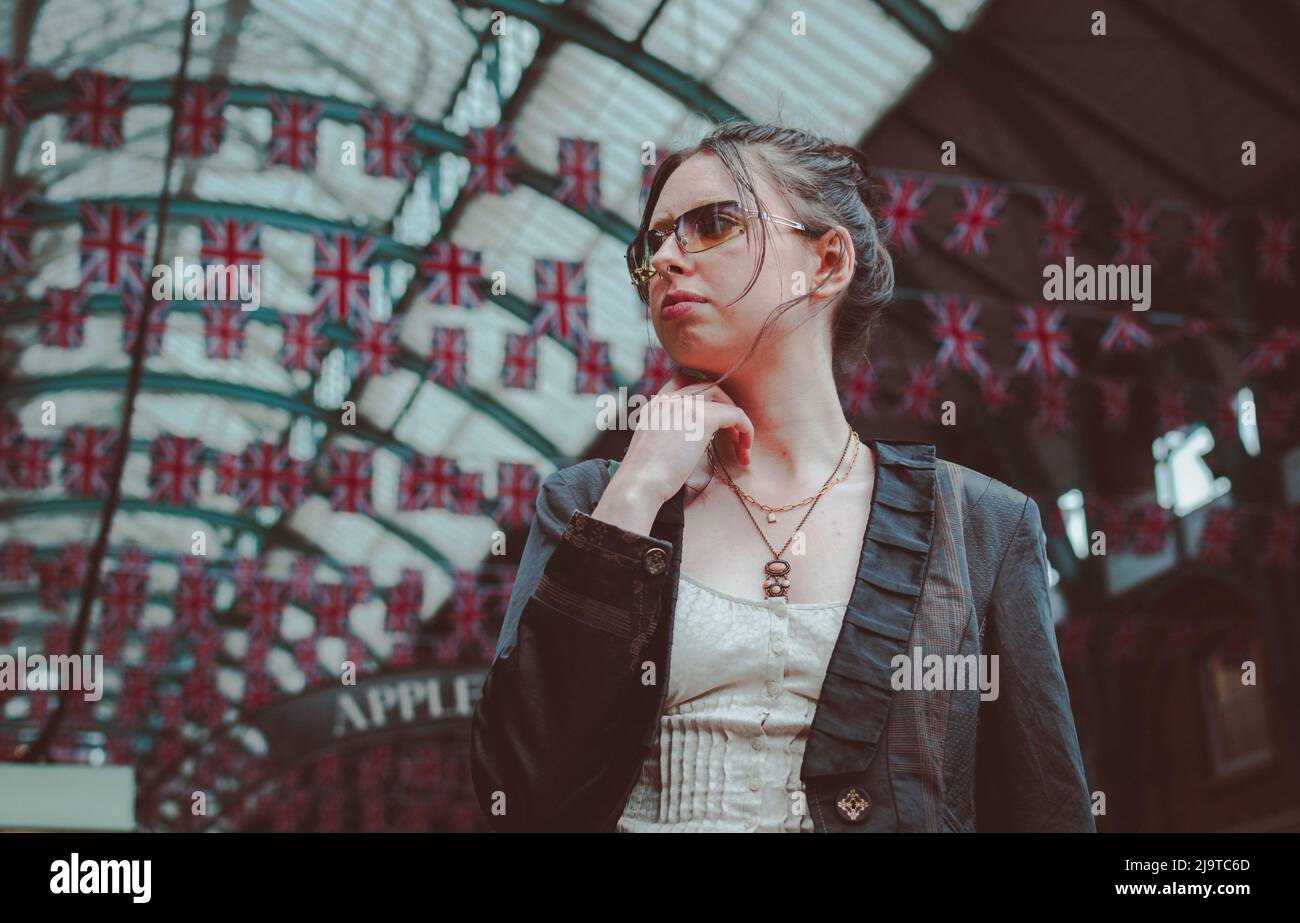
<point x="780" y="626"/>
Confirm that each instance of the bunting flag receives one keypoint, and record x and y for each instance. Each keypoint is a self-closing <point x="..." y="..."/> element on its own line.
<point x="860" y="386"/>
<point x="349" y="473"/>
<point x="244" y="574"/>
<point x="96" y="109"/>
<point x="302" y="579"/>
<point x="29" y="468"/>
<point x="303" y="343"/>
<point x="468" y="621"/>
<point x="1270" y="353"/>
<point x="1134" y="235"/>
<point x="332" y="605"/>
<point x="517" y="487"/>
<point x="195" y="595"/>
<point x="157" y="654"/>
<point x="1124" y="334"/>
<point x="112" y="247"/>
<point x="954" y="327"/>
<point x="259" y="692"/>
<point x="1171" y="407"/>
<point x="137" y="684"/>
<point x="17" y="560"/>
<point x="449" y="357"/>
<point x="594" y="368"/>
<point x="427" y="482"/>
<point x="1045" y="342"/>
<point x="921" y="392"/>
<point x="452" y="271"/>
<point x="13" y="87"/>
<point x="200" y="126"/>
<point x="269" y="476"/>
<point x="11" y="438"/>
<point x="1151" y="529"/>
<point x="73" y="565"/>
<point x="223" y="330"/>
<point x="1217" y="533"/>
<point x="657" y="370"/>
<point x="341" y="278"/>
<point x="1060" y="224"/>
<point x="375" y="346"/>
<point x="175" y="463"/>
<point x="995" y="391"/>
<point x="356" y="577"/>
<point x="519" y="367"/>
<point x="62" y="320"/>
<point x="1115" y="402"/>
<point x="389" y="149"/>
<point x="133" y="322"/>
<point x="579" y="174"/>
<point x="1053" y="405"/>
<point x="123" y="598"/>
<point x="294" y="123"/>
<point x="15" y="232"/>
<point x="491" y="154"/>
<point x="1205" y="242"/>
<point x="227" y="242"/>
<point x="561" y="296"/>
<point x="227" y="466"/>
<point x="265" y="605"/>
<point x="403" y="602"/>
<point x="305" y="657"/>
<point x="467" y="496"/>
<point x="977" y="216"/>
<point x="1275" y="246"/>
<point x="903" y="210"/>
<point x="87" y="458"/>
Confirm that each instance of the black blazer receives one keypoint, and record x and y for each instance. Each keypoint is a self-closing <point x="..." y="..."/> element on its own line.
<point x="952" y="561"/>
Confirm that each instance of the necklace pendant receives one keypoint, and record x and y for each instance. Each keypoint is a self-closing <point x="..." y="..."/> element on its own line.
<point x="776" y="583"/>
<point x="771" y="517"/>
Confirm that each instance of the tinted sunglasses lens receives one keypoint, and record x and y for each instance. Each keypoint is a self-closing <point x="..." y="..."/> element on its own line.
<point x="710" y="225"/>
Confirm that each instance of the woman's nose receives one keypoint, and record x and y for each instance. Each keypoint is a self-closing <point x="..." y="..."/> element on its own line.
<point x="669" y="255"/>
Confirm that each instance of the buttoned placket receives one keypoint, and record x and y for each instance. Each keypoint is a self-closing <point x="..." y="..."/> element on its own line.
<point x="778" y="616"/>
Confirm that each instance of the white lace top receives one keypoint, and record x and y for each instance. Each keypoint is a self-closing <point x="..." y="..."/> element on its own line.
<point x="744" y="678"/>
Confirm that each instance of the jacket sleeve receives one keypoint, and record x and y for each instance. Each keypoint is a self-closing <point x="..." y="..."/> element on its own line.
<point x="1029" y="772"/>
<point x="564" y="707"/>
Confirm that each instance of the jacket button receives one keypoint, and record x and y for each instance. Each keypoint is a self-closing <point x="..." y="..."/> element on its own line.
<point x="851" y="804"/>
<point x="656" y="561"/>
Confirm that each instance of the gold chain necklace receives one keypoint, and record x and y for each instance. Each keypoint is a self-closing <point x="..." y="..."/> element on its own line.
<point x="773" y="510"/>
<point x="776" y="573"/>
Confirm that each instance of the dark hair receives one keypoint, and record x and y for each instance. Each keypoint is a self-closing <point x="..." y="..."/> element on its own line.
<point x="828" y="184"/>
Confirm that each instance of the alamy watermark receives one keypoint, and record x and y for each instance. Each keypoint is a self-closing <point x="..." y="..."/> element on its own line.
<point x="38" y="672"/>
<point x="669" y="411"/>
<point x="181" y="281"/>
<point x="946" y="671"/>
<point x="1104" y="282"/>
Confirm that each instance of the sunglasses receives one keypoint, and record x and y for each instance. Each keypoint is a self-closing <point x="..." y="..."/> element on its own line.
<point x="696" y="230"/>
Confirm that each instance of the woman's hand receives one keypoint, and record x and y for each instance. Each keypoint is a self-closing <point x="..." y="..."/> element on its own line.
<point x="659" y="461"/>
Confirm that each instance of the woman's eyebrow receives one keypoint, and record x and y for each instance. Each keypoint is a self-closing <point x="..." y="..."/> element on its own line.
<point x="661" y="218"/>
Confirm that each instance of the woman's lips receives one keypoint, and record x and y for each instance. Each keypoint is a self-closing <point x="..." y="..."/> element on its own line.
<point x="677" y="308"/>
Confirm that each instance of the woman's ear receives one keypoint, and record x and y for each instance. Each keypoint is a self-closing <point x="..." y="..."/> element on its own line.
<point x="835" y="246"/>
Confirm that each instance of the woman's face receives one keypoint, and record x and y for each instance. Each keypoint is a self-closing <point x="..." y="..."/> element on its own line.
<point x="711" y="335"/>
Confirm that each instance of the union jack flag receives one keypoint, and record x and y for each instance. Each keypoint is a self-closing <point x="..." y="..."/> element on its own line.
<point x="16" y="561"/>
<point x="333" y="602"/>
<point x="73" y="564"/>
<point x="87" y="458"/>
<point x="96" y="109"/>
<point x="29" y="466"/>
<point x="341" y="279"/>
<point x="1053" y="405"/>
<point x="975" y="219"/>
<point x="294" y="122"/>
<point x="229" y="242"/>
<point x="302" y="343"/>
<point x="1270" y="352"/>
<point x="356" y="577"/>
<point x="375" y="346"/>
<point x="594" y="368"/>
<point x="517" y="486"/>
<point x="15" y="231"/>
<point x="1275" y="246"/>
<point x="904" y="211"/>
<point x="1280" y="544"/>
<point x="1060" y="224"/>
<point x="954" y="326"/>
<point x="13" y="75"/>
<point x="1205" y="241"/>
<point x="1217" y="533"/>
<point x="265" y="605"/>
<point x="157" y="651"/>
<point x="657" y="372"/>
<point x="11" y="437"/>
<point x="1135" y="234"/>
<point x="133" y="321"/>
<point x="579" y="173"/>
<point x="427" y="482"/>
<point x="112" y="246"/>
<point x="468" y="497"/>
<point x="519" y="368"/>
<point x="451" y="272"/>
<point x="449" y="357"/>
<point x="1151" y="529"/>
<point x="1171" y="406"/>
<point x="200" y="126"/>
<point x="1115" y="402"/>
<point x="302" y="578"/>
<point x="223" y="330"/>
<point x="137" y="686"/>
<point x="995" y="391"/>
<point x="349" y="475"/>
<point x="389" y="151"/>
<point x="491" y="157"/>
<point x="1124" y="334"/>
<point x="306" y="658"/>
<point x="860" y="386"/>
<point x="63" y="318"/>
<point x="468" y="619"/>
<point x="123" y="598"/>
<point x="562" y="297"/>
<point x="227" y="468"/>
<point x="175" y="463"/>
<point x="195" y="591"/>
<point x="132" y="558"/>
<point x="403" y="602"/>
<point x="921" y="391"/>
<point x="270" y="477"/>
<point x="1044" y="340"/>
<point x="259" y="692"/>
<point x="244" y="573"/>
